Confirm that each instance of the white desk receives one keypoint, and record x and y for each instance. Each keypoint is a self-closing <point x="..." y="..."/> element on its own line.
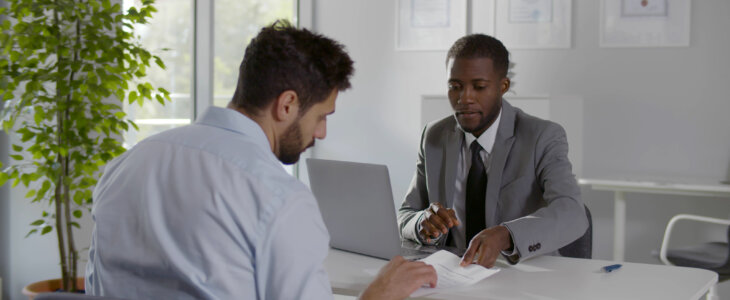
<point x="619" y="187"/>
<point x="545" y="278"/>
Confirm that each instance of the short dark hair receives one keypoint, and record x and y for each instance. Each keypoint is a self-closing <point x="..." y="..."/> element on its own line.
<point x="282" y="57"/>
<point x="481" y="46"/>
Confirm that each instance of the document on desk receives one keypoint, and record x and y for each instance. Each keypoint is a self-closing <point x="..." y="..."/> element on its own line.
<point x="451" y="274"/>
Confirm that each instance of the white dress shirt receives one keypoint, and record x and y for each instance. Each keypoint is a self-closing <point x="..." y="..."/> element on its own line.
<point x="206" y="211"/>
<point x="486" y="140"/>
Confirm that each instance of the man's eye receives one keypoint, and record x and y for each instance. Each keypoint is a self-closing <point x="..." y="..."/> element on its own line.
<point x="480" y="87"/>
<point x="453" y="87"/>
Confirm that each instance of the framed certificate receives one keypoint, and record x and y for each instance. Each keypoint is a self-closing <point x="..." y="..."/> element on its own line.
<point x="429" y="24"/>
<point x="530" y="11"/>
<point x="645" y="23"/>
<point x="533" y="24"/>
<point x="644" y="8"/>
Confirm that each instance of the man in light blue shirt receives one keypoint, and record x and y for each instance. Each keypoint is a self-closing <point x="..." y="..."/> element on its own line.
<point x="207" y="212"/>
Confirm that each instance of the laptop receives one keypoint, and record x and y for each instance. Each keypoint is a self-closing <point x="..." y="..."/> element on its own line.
<point x="357" y="206"/>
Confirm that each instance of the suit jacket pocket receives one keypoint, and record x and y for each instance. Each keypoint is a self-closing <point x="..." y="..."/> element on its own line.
<point x="523" y="180"/>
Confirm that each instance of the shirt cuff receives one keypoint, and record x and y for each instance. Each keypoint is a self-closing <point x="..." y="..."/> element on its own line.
<point x="513" y="255"/>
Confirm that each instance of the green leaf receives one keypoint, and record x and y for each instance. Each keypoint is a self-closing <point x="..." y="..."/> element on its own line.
<point x="132" y="97"/>
<point x="39" y="114"/>
<point x="44" y="214"/>
<point x="16" y="157"/>
<point x="77" y="214"/>
<point x="78" y="197"/>
<point x="30" y="194"/>
<point x="44" y="187"/>
<point x="74" y="224"/>
<point x="159" y="62"/>
<point x="134" y="125"/>
<point x="17" y="148"/>
<point x="46" y="229"/>
<point x="25" y="178"/>
<point x="31" y="232"/>
<point x="3" y="178"/>
<point x="37" y="222"/>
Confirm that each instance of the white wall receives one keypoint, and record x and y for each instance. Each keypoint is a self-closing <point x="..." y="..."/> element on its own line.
<point x="653" y="113"/>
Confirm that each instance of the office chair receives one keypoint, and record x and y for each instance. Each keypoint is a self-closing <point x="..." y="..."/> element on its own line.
<point x="583" y="246"/>
<point x="70" y="296"/>
<point x="713" y="256"/>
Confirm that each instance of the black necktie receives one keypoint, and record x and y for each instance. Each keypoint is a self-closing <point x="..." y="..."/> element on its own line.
<point x="476" y="187"/>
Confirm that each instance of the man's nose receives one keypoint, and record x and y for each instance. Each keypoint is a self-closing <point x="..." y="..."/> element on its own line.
<point x="321" y="131"/>
<point x="467" y="95"/>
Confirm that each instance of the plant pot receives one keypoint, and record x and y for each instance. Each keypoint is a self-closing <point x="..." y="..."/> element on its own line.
<point x="47" y="286"/>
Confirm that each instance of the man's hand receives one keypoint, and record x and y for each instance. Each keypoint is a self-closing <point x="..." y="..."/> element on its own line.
<point x="398" y="279"/>
<point x="486" y="245"/>
<point x="436" y="221"/>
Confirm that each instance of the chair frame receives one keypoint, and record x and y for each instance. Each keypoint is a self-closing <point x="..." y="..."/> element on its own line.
<point x="674" y="220"/>
<point x="712" y="293"/>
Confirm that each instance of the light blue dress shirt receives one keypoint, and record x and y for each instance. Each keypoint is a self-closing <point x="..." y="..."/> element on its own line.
<point x="206" y="211"/>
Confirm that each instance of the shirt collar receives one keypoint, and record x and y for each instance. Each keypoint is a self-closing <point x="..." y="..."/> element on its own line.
<point x="486" y="140"/>
<point x="231" y="120"/>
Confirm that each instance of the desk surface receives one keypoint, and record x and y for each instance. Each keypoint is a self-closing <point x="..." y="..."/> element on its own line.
<point x="643" y="186"/>
<point x="543" y="278"/>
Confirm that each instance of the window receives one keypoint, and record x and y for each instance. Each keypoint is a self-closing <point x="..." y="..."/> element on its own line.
<point x="169" y="35"/>
<point x="177" y="34"/>
<point x="236" y="23"/>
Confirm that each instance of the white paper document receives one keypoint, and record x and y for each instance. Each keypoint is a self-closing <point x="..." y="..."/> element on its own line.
<point x="451" y="274"/>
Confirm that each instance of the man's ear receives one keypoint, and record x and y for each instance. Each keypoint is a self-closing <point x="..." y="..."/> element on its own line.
<point x="505" y="84"/>
<point x="286" y="106"/>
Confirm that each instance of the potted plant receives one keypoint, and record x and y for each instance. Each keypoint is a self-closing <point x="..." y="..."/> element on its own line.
<point x="66" y="68"/>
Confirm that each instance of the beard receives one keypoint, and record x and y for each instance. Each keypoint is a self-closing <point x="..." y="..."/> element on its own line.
<point x="485" y="122"/>
<point x="290" y="145"/>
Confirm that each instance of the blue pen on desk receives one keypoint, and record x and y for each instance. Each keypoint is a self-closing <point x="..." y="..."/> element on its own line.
<point x="611" y="268"/>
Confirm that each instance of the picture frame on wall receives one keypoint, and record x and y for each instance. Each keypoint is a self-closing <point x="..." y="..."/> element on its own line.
<point x="645" y="23"/>
<point x="429" y="25"/>
<point x="644" y="8"/>
<point x="525" y="24"/>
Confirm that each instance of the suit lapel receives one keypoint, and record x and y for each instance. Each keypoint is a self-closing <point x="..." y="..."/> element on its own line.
<point x="500" y="152"/>
<point x="451" y="155"/>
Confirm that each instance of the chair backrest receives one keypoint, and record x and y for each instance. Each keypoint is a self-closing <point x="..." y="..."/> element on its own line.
<point x="70" y="296"/>
<point x="583" y="246"/>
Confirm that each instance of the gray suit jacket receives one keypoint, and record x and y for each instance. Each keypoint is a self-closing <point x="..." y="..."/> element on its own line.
<point x="531" y="188"/>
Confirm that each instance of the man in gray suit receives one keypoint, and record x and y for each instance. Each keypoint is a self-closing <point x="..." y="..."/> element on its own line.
<point x="490" y="176"/>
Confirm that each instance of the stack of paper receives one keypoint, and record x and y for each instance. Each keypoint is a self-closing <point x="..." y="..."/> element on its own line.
<point x="451" y="274"/>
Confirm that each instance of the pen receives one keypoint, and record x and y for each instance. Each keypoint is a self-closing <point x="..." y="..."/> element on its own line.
<point x="611" y="268"/>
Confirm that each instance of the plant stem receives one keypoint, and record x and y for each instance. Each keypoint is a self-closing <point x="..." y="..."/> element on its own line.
<point x="58" y="190"/>
<point x="67" y="193"/>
